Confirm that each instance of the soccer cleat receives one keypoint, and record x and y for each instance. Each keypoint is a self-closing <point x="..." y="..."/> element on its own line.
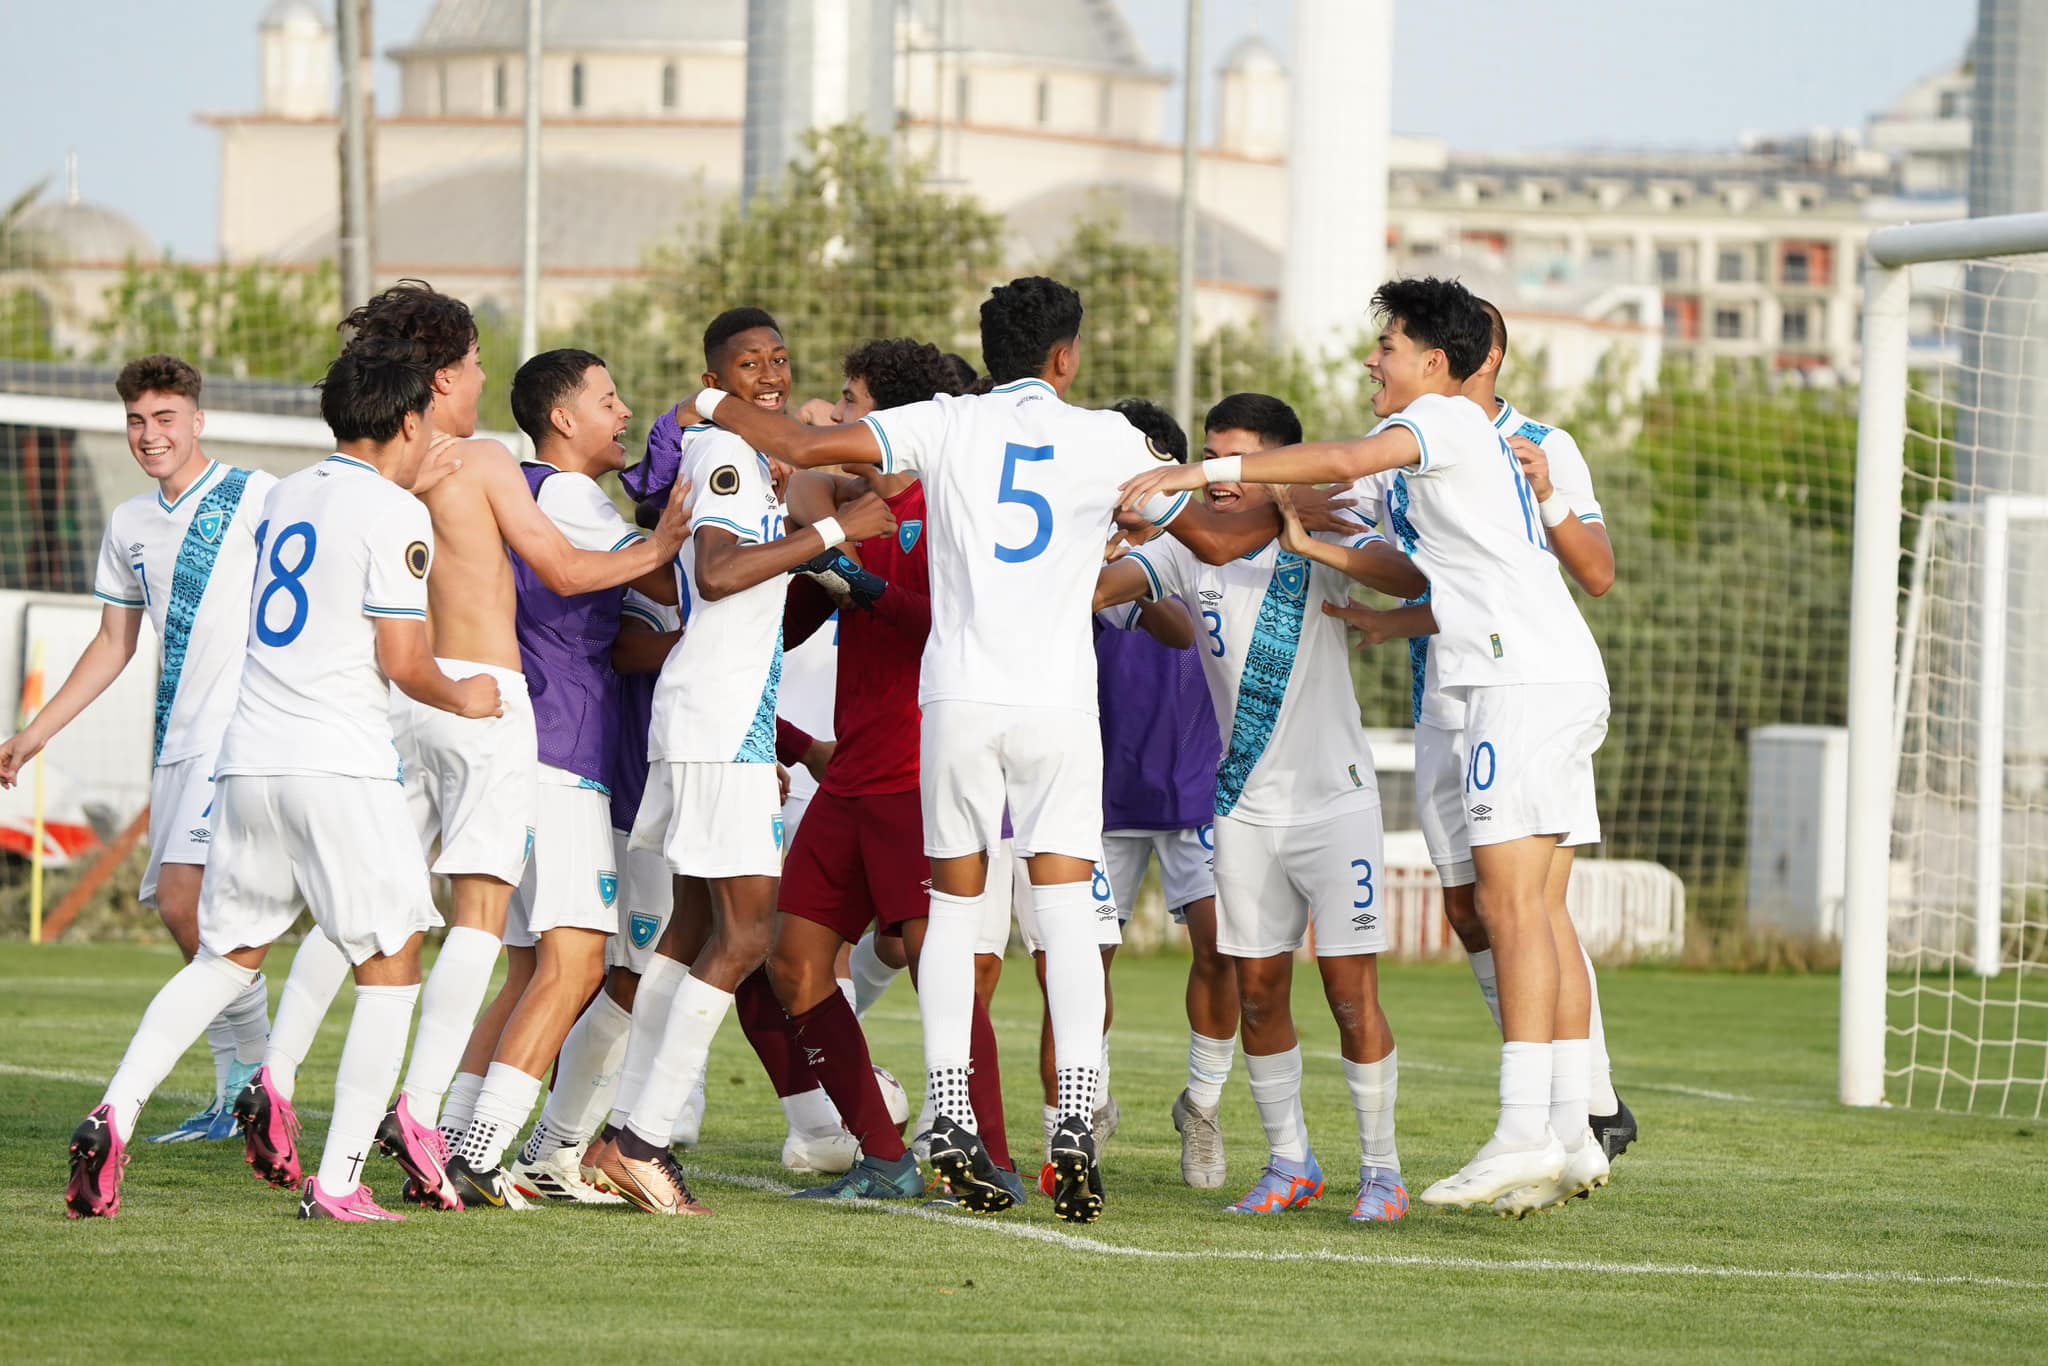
<point x="1615" y="1131"/>
<point x="558" y="1175"/>
<point x="98" y="1157"/>
<point x="822" y="1154"/>
<point x="270" y="1131"/>
<point x="591" y="1165"/>
<point x="1491" y="1175"/>
<point x="421" y="1153"/>
<point x="872" y="1179"/>
<point x="357" y="1207"/>
<point x="1077" y="1183"/>
<point x="1105" y="1120"/>
<point x="921" y="1147"/>
<point x="1585" y="1171"/>
<point x="1382" y="1199"/>
<point x="1284" y="1185"/>
<point x="214" y="1123"/>
<point x="654" y="1185"/>
<point x="1014" y="1184"/>
<point x="489" y="1188"/>
<point x="1201" y="1142"/>
<point x="971" y="1175"/>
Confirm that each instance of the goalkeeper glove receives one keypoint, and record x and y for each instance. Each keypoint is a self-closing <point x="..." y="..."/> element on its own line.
<point x="836" y="572"/>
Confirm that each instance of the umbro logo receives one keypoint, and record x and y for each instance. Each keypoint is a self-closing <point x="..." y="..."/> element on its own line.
<point x="201" y="835"/>
<point x="1365" y="921"/>
<point x="135" y="549"/>
<point x="1480" y="813"/>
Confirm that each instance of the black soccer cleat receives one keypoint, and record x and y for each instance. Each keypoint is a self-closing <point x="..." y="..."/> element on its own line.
<point x="1615" y="1131"/>
<point x="1077" y="1176"/>
<point x="969" y="1173"/>
<point x="486" y="1188"/>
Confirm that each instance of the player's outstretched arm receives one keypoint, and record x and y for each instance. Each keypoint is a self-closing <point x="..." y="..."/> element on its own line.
<point x="1122" y="582"/>
<point x="640" y="649"/>
<point x="560" y="565"/>
<point x="1582" y="547"/>
<point x="407" y="659"/>
<point x="813" y="495"/>
<point x="1377" y="626"/>
<point x="784" y="438"/>
<point x="1314" y="462"/>
<point x="725" y="566"/>
<point x="106" y="654"/>
<point x="1168" y="623"/>
<point x="1375" y="564"/>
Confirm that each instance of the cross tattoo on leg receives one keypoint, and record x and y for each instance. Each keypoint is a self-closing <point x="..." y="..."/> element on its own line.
<point x="355" y="1165"/>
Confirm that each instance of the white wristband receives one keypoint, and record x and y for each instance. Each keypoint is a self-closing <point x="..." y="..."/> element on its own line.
<point x="828" y="527"/>
<point x="1554" y="509"/>
<point x="706" y="403"/>
<point x="1223" y="469"/>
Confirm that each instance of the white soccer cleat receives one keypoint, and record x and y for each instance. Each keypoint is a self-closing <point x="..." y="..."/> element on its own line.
<point x="824" y="1154"/>
<point x="1489" y="1176"/>
<point x="690" y="1123"/>
<point x="1585" y="1169"/>
<point x="558" y="1175"/>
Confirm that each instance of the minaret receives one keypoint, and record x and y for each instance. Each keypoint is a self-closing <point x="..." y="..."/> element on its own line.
<point x="298" y="61"/>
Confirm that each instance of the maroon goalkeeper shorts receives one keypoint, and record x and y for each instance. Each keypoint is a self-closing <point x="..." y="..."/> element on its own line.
<point x="856" y="861"/>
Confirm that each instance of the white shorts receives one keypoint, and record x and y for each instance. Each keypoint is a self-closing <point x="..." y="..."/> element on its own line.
<point x="572" y="880"/>
<point x="1529" y="765"/>
<point x="793" y="816"/>
<point x="1440" y="802"/>
<point x="1273" y="882"/>
<point x="646" y="901"/>
<point x="713" y="820"/>
<point x="1045" y="761"/>
<point x="474" y="785"/>
<point x="342" y="847"/>
<point x="180" y="818"/>
<point x="1109" y="913"/>
<point x="1187" y="866"/>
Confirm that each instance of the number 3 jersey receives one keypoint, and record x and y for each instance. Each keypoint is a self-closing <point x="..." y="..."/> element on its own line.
<point x="1021" y="489"/>
<point x="338" y="548"/>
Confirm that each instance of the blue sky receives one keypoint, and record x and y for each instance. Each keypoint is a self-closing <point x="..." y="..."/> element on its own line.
<point x="121" y="80"/>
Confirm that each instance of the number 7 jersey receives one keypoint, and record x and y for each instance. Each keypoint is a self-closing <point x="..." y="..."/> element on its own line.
<point x="1021" y="491"/>
<point x="339" y="548"/>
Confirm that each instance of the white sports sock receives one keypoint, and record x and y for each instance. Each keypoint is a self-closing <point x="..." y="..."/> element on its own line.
<point x="1102" y="1076"/>
<point x="1051" y="1116"/>
<point x="1373" y="1085"/>
<point x="1276" y="1090"/>
<point x="871" y="976"/>
<point x="1489" y="982"/>
<point x="318" y="970"/>
<point x="1524" y="1095"/>
<point x="1569" y="1082"/>
<point x="448" y="1007"/>
<point x="370" y="1059"/>
<point x="173" y="1023"/>
<point x="501" y="1108"/>
<point x="586" y="1076"/>
<point x="812" y="1114"/>
<point x="690" y="1123"/>
<point x="925" y="1115"/>
<point x="220" y="1041"/>
<point x="1601" y="1097"/>
<point x="1075" y="989"/>
<point x="459" y="1107"/>
<point x="248" y="1016"/>
<point x="693" y="1022"/>
<point x="945" y="998"/>
<point x="651" y="1005"/>
<point x="846" y="989"/>
<point x="1208" y="1068"/>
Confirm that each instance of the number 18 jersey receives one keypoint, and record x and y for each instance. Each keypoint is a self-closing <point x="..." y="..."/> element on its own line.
<point x="339" y="547"/>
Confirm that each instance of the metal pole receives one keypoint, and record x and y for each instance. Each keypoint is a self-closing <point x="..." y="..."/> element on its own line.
<point x="1190" y="144"/>
<point x="354" y="237"/>
<point x="529" y="253"/>
<point x="1991" y="661"/>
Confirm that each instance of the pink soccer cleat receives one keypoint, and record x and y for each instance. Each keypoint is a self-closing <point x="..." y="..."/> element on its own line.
<point x="421" y="1151"/>
<point x="98" y="1157"/>
<point x="270" y="1131"/>
<point x="357" y="1207"/>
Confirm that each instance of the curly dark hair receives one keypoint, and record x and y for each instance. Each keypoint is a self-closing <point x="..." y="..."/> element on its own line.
<point x="1439" y="314"/>
<point x="900" y="370"/>
<point x="371" y="386"/>
<point x="158" y="374"/>
<point x="1157" y="424"/>
<point x="440" y="327"/>
<point x="965" y="377"/>
<point x="1022" y="321"/>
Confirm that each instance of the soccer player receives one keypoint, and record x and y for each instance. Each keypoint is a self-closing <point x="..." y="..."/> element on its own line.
<point x="1297" y="816"/>
<point x="1019" y="485"/>
<point x="309" y="804"/>
<point x="184" y="556"/>
<point x="1512" y="642"/>
<point x="713" y="800"/>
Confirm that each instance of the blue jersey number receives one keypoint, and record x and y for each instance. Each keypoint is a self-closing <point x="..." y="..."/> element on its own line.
<point x="1532" y="525"/>
<point x="1473" y="782"/>
<point x="1213" y="619"/>
<point x="771" y="527"/>
<point x="286" y="581"/>
<point x="1040" y="509"/>
<point x="1364" y="867"/>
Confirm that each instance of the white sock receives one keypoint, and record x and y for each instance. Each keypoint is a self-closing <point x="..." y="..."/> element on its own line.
<point x="690" y="1123"/>
<point x="173" y="1023"/>
<point x="459" y="1107"/>
<point x="1276" y="1090"/>
<point x="1489" y="982"/>
<point x="1102" y="1076"/>
<point x="592" y="1058"/>
<point x="871" y="976"/>
<point x="220" y="1041"/>
<point x="501" y="1108"/>
<point x="651" y="1006"/>
<point x="318" y="970"/>
<point x="1075" y="989"/>
<point x="1051" y="1115"/>
<point x="925" y="1115"/>
<point x="448" y="1007"/>
<point x="1524" y="1095"/>
<point x="1569" y="1082"/>
<point x="248" y="1017"/>
<point x="846" y="989"/>
<point x="945" y="998"/>
<point x="370" y="1059"/>
<point x="812" y="1114"/>
<point x="1601" y="1097"/>
<point x="1208" y="1068"/>
<point x="1372" y="1094"/>
<point x="693" y="1022"/>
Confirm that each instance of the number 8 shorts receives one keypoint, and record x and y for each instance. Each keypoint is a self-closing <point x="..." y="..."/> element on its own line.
<point x="1275" y="882"/>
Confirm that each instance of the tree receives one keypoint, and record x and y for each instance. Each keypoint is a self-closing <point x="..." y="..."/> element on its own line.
<point x="250" y="321"/>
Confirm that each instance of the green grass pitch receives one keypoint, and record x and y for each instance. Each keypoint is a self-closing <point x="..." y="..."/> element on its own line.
<point x="1756" y="1220"/>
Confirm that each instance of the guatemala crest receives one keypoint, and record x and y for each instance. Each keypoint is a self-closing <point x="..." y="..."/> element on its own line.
<point x="209" y="524"/>
<point x="1291" y="573"/>
<point x="907" y="534"/>
<point x="642" y="927"/>
<point x="778" y="831"/>
<point x="608" y="887"/>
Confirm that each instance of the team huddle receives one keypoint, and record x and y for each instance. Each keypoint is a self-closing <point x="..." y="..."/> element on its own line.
<point x="1047" y="662"/>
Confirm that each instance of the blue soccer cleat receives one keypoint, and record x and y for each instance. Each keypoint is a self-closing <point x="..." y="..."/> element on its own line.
<point x="1284" y="1185"/>
<point x="1382" y="1199"/>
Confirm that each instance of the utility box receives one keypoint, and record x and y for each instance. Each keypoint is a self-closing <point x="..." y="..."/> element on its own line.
<point x="1798" y="829"/>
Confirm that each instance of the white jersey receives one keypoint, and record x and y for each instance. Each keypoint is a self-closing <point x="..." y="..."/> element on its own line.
<point x="1021" y="489"/>
<point x="715" y="701"/>
<point x="583" y="514"/>
<point x="189" y="565"/>
<point x="339" y="548"/>
<point x="1279" y="673"/>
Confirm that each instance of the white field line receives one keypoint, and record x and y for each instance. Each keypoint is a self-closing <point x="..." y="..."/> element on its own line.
<point x="8" y="1069"/>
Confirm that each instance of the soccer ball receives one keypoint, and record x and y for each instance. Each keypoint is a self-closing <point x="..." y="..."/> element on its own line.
<point x="895" y="1097"/>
